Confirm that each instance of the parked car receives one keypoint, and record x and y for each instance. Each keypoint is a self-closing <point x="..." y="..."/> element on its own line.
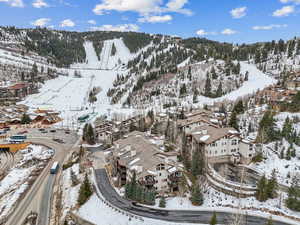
<point x="52" y="131"/>
<point x="23" y="132"/>
<point x="58" y="140"/>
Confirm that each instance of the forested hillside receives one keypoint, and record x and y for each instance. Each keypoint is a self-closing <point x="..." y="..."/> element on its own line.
<point x="163" y="66"/>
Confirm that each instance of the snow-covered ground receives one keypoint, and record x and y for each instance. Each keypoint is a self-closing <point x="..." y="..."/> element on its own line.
<point x="214" y="201"/>
<point x="69" y="95"/>
<point x="70" y="192"/>
<point x="257" y="80"/>
<point x="15" y="182"/>
<point x="97" y="212"/>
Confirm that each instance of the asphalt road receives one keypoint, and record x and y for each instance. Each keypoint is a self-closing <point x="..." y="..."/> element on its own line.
<point x="38" y="197"/>
<point x="44" y="211"/>
<point x="184" y="216"/>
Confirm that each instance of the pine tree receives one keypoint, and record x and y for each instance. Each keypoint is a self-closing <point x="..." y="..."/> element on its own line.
<point x="261" y="194"/>
<point x="85" y="191"/>
<point x="293" y="201"/>
<point x="89" y="134"/>
<point x="270" y="221"/>
<point x="113" y="49"/>
<point x="239" y="107"/>
<point x="272" y="186"/>
<point x="246" y="76"/>
<point x="233" y="122"/>
<point x="214" y="75"/>
<point x="207" y="88"/>
<point x="219" y="92"/>
<point x="182" y="90"/>
<point x="197" y="164"/>
<point x="213" y="220"/>
<point x="162" y="202"/>
<point x="25" y="119"/>
<point x="197" y="197"/>
<point x="34" y="72"/>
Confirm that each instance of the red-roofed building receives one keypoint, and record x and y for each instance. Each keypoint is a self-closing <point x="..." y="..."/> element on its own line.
<point x="21" y="90"/>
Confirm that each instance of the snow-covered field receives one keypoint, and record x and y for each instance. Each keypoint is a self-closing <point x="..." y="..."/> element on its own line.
<point x="15" y="182"/>
<point x="257" y="80"/>
<point x="70" y="193"/>
<point x="69" y="95"/>
<point x="105" y="215"/>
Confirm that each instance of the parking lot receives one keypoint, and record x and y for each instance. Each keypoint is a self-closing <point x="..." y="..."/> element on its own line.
<point x="61" y="136"/>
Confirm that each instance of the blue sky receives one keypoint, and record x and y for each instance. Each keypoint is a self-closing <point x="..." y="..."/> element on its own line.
<point x="223" y="20"/>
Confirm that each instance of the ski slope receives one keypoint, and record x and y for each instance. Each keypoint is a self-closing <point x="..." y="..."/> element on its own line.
<point x="69" y="95"/>
<point x="257" y="80"/>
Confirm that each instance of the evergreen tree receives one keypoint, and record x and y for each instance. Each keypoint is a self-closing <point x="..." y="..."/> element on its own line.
<point x="233" y="122"/>
<point x="246" y="76"/>
<point x="267" y="131"/>
<point x="85" y="191"/>
<point x="270" y="221"/>
<point x="261" y="194"/>
<point x="287" y="129"/>
<point x="25" y="119"/>
<point x="34" y="72"/>
<point x="197" y="164"/>
<point x="89" y="134"/>
<point x="197" y="197"/>
<point x="239" y="107"/>
<point x="214" y="75"/>
<point x="213" y="220"/>
<point x="162" y="202"/>
<point x="182" y="90"/>
<point x="207" y="88"/>
<point x="219" y="92"/>
<point x="272" y="186"/>
<point x="293" y="201"/>
<point x="113" y="49"/>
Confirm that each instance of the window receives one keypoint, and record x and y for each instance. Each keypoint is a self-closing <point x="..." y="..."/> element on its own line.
<point x="234" y="142"/>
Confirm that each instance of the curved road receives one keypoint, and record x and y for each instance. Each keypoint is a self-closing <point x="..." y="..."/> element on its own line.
<point x="183" y="216"/>
<point x="38" y="197"/>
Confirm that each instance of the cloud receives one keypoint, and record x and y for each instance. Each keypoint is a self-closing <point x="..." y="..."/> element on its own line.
<point x="290" y="1"/>
<point x="92" y="22"/>
<point x="284" y="11"/>
<point x="228" y="31"/>
<point x="156" y="19"/>
<point x="14" y="3"/>
<point x="269" y="27"/>
<point x="41" y="22"/>
<point x="40" y="4"/>
<point x="238" y="13"/>
<point x="120" y="27"/>
<point x="202" y="32"/>
<point x="177" y="6"/>
<point x="141" y="6"/>
<point x="67" y="23"/>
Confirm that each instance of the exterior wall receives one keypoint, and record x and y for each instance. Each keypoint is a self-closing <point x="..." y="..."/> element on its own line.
<point x="162" y="180"/>
<point x="247" y="150"/>
<point x="222" y="147"/>
<point x="190" y="127"/>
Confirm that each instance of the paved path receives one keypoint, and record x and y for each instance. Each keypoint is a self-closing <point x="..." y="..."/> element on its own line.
<point x="183" y="216"/>
<point x="38" y="197"/>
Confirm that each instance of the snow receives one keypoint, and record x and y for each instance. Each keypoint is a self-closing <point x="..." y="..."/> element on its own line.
<point x="70" y="193"/>
<point x="205" y="138"/>
<point x="184" y="63"/>
<point x="69" y="95"/>
<point x="108" y="216"/>
<point x="15" y="183"/>
<point x="257" y="80"/>
<point x="285" y="169"/>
